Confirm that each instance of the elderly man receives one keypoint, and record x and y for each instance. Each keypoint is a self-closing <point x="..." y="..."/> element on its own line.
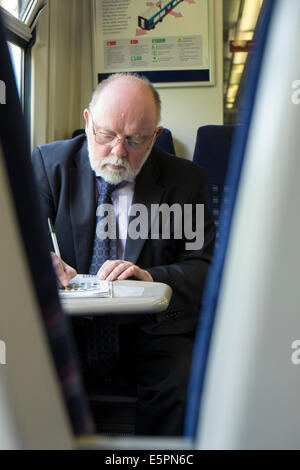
<point x="122" y="123"/>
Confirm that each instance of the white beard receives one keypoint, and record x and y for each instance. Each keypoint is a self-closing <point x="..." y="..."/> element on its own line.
<point x="114" y="176"/>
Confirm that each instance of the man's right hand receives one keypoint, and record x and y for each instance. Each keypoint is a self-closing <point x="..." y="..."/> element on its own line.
<point x="64" y="272"/>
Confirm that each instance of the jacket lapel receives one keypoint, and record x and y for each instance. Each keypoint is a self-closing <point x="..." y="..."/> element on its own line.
<point x="147" y="192"/>
<point x="82" y="209"/>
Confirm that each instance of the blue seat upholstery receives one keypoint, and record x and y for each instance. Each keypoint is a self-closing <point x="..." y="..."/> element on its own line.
<point x="165" y="141"/>
<point x="78" y="132"/>
<point x="212" y="151"/>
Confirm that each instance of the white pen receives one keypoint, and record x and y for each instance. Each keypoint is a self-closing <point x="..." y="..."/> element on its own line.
<point x="54" y="238"/>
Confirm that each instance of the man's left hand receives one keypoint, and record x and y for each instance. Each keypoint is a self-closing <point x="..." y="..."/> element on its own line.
<point x="120" y="270"/>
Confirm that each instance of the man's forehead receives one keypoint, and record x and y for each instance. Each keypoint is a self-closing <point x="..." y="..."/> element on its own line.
<point x="124" y="107"/>
<point x="125" y="91"/>
<point x="132" y="83"/>
<point x="121" y="91"/>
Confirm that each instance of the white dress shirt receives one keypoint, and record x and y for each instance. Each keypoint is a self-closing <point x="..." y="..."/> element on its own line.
<point x="122" y="200"/>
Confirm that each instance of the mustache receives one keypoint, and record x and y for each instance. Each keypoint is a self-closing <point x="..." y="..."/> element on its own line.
<point x="117" y="161"/>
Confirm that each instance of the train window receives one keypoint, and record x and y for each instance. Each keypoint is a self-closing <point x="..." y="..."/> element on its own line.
<point x="15" y="7"/>
<point x="239" y="22"/>
<point x="22" y="9"/>
<point x="20" y="18"/>
<point x="16" y="53"/>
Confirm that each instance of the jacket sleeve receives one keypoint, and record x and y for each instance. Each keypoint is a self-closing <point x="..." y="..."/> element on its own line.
<point x="47" y="199"/>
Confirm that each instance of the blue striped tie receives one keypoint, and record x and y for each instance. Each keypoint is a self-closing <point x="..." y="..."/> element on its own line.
<point x="102" y="332"/>
<point x="106" y="246"/>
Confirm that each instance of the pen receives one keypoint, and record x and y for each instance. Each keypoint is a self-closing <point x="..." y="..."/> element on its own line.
<point x="54" y="238"/>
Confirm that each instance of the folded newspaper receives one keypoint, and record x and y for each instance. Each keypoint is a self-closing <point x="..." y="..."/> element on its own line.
<point x="86" y="285"/>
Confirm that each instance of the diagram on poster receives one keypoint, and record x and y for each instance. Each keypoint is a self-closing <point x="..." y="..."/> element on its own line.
<point x="161" y="36"/>
<point x="156" y="12"/>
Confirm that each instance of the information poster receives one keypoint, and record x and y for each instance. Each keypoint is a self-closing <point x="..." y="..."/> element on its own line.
<point x="170" y="41"/>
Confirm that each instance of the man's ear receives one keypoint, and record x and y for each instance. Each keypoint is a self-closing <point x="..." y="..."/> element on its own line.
<point x="86" y="118"/>
<point x="159" y="130"/>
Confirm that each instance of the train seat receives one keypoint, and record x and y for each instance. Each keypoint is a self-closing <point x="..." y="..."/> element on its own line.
<point x="212" y="151"/>
<point x="165" y="141"/>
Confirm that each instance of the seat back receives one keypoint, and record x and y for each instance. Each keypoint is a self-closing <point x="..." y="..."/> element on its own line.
<point x="78" y="132"/>
<point x="243" y="362"/>
<point x="165" y="141"/>
<point x="213" y="284"/>
<point x="212" y="151"/>
<point x="35" y="326"/>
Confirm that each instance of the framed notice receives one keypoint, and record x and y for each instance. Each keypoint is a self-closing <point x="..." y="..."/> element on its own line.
<point x="169" y="41"/>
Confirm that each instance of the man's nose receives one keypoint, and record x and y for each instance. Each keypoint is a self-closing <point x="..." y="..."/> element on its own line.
<point x="119" y="148"/>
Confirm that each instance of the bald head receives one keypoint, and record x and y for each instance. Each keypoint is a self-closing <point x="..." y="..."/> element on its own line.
<point x="129" y="82"/>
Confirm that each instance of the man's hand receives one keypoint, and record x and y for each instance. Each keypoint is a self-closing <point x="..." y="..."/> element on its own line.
<point x="118" y="269"/>
<point x="64" y="272"/>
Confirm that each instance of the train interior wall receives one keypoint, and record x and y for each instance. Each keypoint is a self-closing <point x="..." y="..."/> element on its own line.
<point x="63" y="80"/>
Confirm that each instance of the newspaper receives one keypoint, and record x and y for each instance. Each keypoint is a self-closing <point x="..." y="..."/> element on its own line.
<point x="86" y="285"/>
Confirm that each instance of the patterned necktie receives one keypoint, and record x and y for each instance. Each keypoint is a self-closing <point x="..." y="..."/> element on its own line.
<point x="102" y="332"/>
<point x="105" y="242"/>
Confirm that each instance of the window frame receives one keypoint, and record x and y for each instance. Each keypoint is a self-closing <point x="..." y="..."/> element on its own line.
<point x="22" y="33"/>
<point x="24" y="26"/>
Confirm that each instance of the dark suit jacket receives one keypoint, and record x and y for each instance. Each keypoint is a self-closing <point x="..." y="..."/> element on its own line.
<point x="67" y="186"/>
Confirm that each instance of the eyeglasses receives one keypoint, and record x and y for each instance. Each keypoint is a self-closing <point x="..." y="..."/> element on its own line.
<point x="111" y="138"/>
